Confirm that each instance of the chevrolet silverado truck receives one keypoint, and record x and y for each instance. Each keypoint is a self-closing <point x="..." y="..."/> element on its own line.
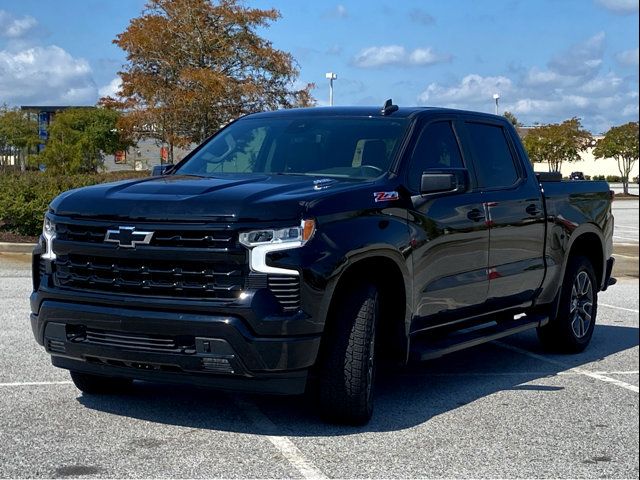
<point x="311" y="244"/>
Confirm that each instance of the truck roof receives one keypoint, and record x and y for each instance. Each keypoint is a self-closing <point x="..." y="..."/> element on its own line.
<point x="402" y="112"/>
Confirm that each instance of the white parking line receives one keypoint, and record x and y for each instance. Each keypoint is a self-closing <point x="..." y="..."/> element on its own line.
<point x="624" y="238"/>
<point x="615" y="372"/>
<point x="626" y="227"/>
<point x="600" y="304"/>
<point x="624" y="256"/>
<point x="34" y="384"/>
<point x="580" y="371"/>
<point x="285" y="446"/>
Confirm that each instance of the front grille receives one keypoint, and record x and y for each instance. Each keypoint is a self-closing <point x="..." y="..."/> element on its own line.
<point x="174" y="278"/>
<point x="139" y="342"/>
<point x="181" y="261"/>
<point x="185" y="237"/>
<point x="287" y="290"/>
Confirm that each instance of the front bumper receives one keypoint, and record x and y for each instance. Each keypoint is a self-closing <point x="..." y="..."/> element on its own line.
<point x="201" y="349"/>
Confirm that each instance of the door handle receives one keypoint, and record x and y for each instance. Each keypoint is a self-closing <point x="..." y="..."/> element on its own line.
<point x="533" y="210"/>
<point x="475" y="215"/>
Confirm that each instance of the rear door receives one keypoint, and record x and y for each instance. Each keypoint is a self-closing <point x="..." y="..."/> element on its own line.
<point x="449" y="236"/>
<point x="515" y="213"/>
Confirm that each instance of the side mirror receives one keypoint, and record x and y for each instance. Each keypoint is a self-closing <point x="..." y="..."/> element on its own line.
<point x="449" y="181"/>
<point x="159" y="170"/>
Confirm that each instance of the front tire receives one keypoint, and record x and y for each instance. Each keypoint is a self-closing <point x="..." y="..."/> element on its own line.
<point x="347" y="368"/>
<point x="572" y="328"/>
<point x="98" y="384"/>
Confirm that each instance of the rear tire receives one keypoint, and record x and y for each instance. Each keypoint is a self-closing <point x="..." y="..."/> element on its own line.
<point x="98" y="384"/>
<point x="572" y="328"/>
<point x="347" y="362"/>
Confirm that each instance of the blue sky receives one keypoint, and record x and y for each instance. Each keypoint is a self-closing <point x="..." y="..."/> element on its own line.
<point x="548" y="60"/>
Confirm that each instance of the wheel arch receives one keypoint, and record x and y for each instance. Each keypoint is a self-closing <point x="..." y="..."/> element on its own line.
<point x="387" y="270"/>
<point x="586" y="241"/>
<point x="589" y="243"/>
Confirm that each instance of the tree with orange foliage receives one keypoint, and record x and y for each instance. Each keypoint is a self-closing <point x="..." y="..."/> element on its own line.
<point x="195" y="65"/>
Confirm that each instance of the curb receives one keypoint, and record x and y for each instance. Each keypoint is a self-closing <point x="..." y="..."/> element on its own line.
<point x="7" y="247"/>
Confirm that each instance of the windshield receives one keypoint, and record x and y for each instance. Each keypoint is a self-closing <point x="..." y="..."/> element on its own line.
<point x="347" y="147"/>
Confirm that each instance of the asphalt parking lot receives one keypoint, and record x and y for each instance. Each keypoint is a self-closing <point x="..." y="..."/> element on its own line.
<point x="504" y="409"/>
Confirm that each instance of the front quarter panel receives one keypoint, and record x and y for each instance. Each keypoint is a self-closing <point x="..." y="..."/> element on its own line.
<point x="342" y="238"/>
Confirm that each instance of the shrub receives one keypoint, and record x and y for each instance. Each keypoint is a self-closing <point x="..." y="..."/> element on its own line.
<point x="599" y="177"/>
<point x="613" y="179"/>
<point x="24" y="197"/>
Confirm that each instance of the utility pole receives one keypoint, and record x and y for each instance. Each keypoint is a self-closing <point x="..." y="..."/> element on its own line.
<point x="331" y="77"/>
<point x="496" y="97"/>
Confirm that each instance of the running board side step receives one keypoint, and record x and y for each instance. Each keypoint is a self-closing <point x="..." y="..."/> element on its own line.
<point x="423" y="349"/>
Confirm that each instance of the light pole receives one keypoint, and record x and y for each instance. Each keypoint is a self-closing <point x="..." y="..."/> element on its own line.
<point x="331" y="77"/>
<point x="496" y="97"/>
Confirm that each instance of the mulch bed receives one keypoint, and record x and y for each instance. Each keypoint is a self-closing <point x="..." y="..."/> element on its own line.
<point x="16" y="238"/>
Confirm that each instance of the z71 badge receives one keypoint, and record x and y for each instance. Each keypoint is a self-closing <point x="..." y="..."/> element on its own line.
<point x="385" y="196"/>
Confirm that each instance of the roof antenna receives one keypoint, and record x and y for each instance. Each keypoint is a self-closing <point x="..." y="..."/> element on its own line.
<point x="388" y="108"/>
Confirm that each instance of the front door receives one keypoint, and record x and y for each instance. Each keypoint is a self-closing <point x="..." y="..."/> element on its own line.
<point x="449" y="233"/>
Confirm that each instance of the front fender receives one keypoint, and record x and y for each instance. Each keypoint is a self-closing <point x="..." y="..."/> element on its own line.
<point x="338" y="245"/>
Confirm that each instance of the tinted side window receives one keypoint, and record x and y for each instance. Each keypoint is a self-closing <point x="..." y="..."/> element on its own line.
<point x="492" y="156"/>
<point x="436" y="148"/>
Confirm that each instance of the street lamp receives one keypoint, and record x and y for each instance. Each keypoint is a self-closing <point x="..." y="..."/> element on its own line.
<point x="331" y="77"/>
<point x="496" y="97"/>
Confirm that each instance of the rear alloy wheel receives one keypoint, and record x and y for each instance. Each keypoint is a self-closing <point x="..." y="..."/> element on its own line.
<point x="571" y="330"/>
<point x="581" y="309"/>
<point x="348" y="362"/>
<point x="99" y="384"/>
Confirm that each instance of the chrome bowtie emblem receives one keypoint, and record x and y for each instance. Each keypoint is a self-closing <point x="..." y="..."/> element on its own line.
<point x="128" y="237"/>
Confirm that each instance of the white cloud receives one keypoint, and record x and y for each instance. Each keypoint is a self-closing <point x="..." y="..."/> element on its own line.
<point x="628" y="57"/>
<point x="541" y="78"/>
<point x="45" y="75"/>
<point x="373" y="57"/>
<point x="426" y="56"/>
<point x="340" y="11"/>
<point x="113" y="87"/>
<point x="472" y="90"/>
<point x="544" y="97"/>
<point x="623" y="7"/>
<point x="601" y="85"/>
<point x="14" y="28"/>
<point x="379" y="56"/>
<point x="580" y="59"/>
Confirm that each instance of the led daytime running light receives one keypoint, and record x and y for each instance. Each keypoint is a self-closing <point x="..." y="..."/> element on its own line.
<point x="49" y="234"/>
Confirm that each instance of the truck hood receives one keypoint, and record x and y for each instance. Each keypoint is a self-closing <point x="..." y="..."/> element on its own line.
<point x="228" y="198"/>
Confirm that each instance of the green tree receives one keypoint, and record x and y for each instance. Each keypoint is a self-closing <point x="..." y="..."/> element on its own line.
<point x="557" y="143"/>
<point x="18" y="134"/>
<point x="512" y="119"/>
<point x="79" y="138"/>
<point x="194" y="65"/>
<point x="620" y="143"/>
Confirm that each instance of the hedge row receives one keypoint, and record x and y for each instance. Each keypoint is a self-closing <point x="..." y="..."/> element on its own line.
<point x="24" y="197"/>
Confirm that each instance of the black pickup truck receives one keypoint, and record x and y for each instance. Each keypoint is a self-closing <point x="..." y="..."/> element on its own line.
<point x="312" y="244"/>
